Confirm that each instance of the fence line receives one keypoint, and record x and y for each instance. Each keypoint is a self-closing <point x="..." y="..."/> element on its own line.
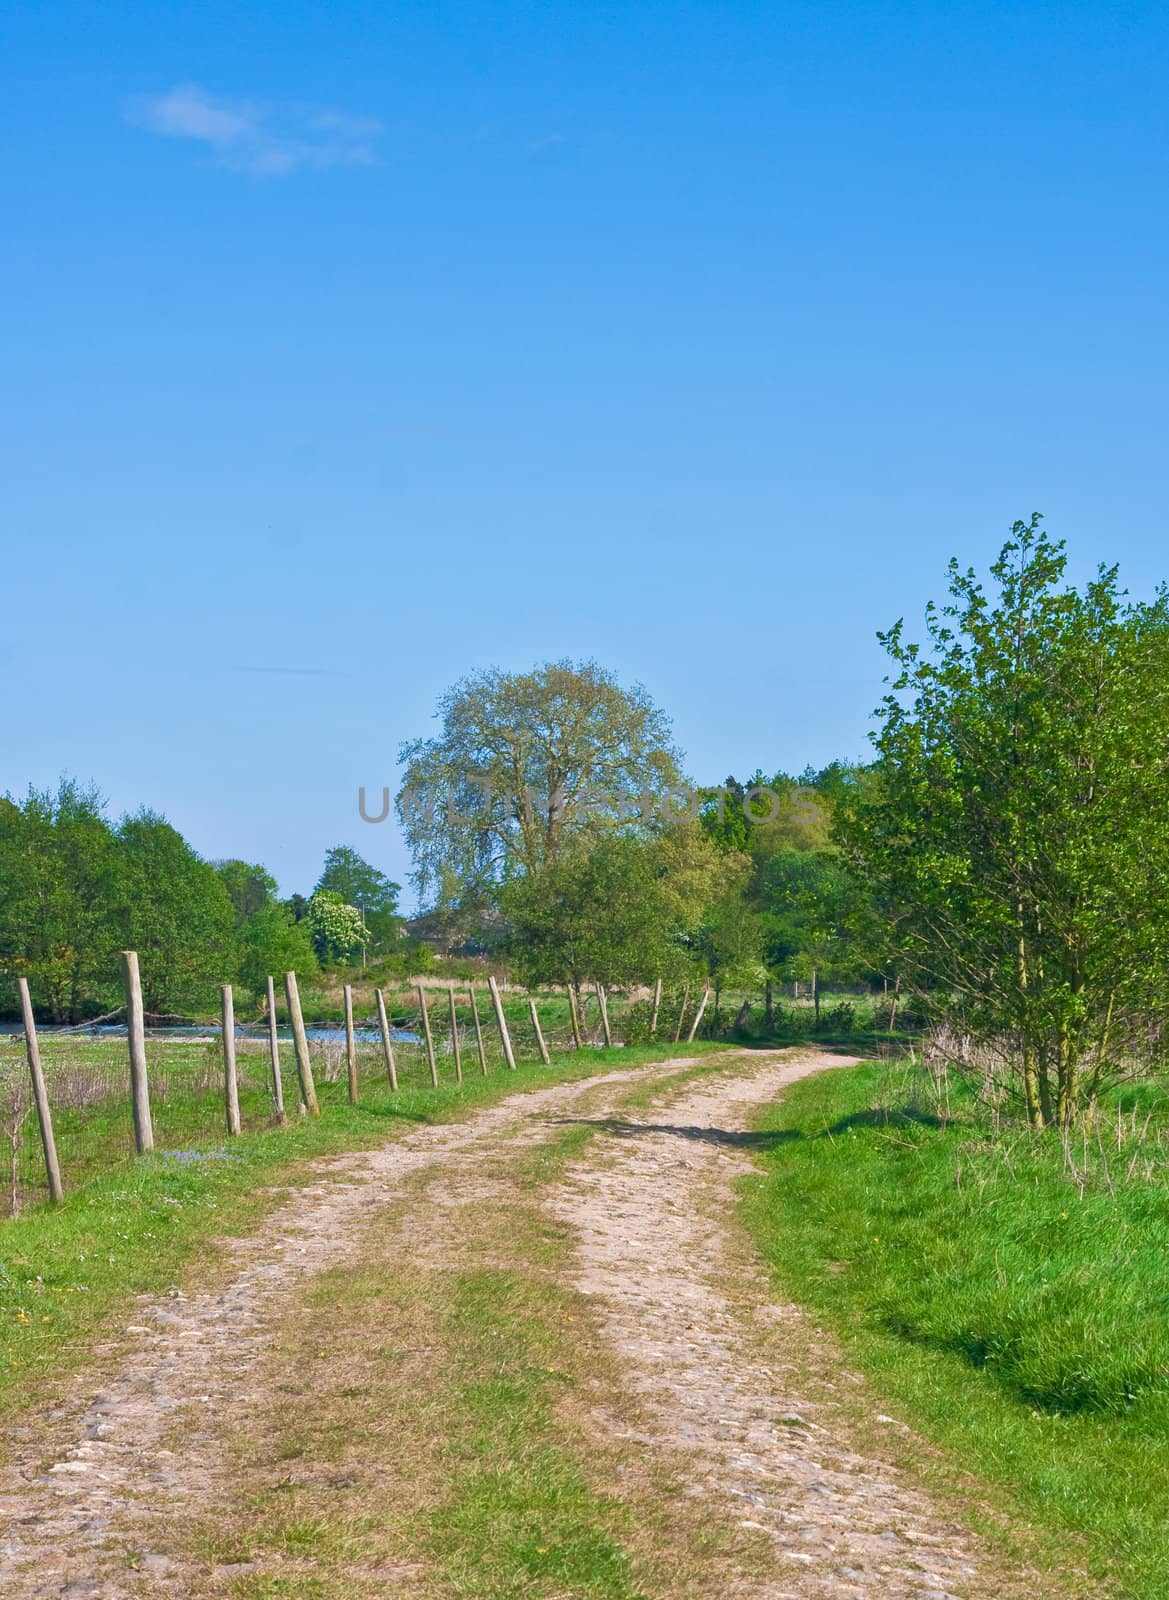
<point x="245" y="1073"/>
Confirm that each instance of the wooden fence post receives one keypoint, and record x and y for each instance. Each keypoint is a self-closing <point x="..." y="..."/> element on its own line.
<point x="136" y="1035"/>
<point x="604" y="1005"/>
<point x="429" y="1037"/>
<point x="455" y="1046"/>
<point x="230" y="1075"/>
<point x="387" y="1042"/>
<point x="698" y="1015"/>
<point x="274" y="1054"/>
<point x="304" y="1066"/>
<point x="350" y="1045"/>
<point x="478" y="1028"/>
<point x="653" y="1021"/>
<point x="40" y="1094"/>
<point x="574" y="1014"/>
<point x="544" y="1056"/>
<point x="497" y="1002"/>
<point x="682" y="1013"/>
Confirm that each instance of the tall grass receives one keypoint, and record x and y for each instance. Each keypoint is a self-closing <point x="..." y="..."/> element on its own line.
<point x="1010" y="1291"/>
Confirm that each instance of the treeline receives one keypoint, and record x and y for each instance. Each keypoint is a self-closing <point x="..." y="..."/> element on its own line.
<point x="1002" y="862"/>
<point x="1000" y="865"/>
<point x="76" y="889"/>
<point x="749" y="893"/>
<point x="725" y="895"/>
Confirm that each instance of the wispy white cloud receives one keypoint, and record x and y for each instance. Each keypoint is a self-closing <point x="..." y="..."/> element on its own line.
<point x="265" y="139"/>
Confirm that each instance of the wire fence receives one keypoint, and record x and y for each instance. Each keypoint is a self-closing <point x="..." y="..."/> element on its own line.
<point x="87" y="1079"/>
<point x="437" y="1035"/>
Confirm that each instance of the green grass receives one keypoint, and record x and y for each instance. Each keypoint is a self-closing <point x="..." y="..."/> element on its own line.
<point x="136" y="1224"/>
<point x="1019" y="1324"/>
<point x="520" y="1516"/>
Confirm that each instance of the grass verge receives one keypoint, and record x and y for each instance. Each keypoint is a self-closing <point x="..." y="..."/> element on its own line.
<point x="1010" y="1312"/>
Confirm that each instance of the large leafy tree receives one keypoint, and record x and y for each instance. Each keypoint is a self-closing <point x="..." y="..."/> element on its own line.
<point x="59" y="870"/>
<point x="174" y="909"/>
<point x="269" y="938"/>
<point x="1017" y="833"/>
<point x="525" y="766"/>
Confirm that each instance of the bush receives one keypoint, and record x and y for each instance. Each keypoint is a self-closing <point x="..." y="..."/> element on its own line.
<point x="412" y="959"/>
<point x="636" y="1021"/>
<point x="840" y="1018"/>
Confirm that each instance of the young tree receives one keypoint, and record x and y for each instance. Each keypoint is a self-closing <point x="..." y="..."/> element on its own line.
<point x="271" y="942"/>
<point x="269" y="939"/>
<point x="362" y="885"/>
<point x="731" y="939"/>
<point x="1017" y="834"/>
<point x="526" y="765"/>
<point x="620" y="910"/>
<point x="250" y="887"/>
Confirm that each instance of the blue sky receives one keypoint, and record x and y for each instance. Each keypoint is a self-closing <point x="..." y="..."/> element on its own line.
<point x="348" y="348"/>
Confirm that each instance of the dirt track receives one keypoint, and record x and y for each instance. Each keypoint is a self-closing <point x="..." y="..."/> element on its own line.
<point x="648" y="1208"/>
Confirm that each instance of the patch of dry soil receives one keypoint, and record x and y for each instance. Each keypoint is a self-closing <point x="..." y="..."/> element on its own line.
<point x="651" y="1207"/>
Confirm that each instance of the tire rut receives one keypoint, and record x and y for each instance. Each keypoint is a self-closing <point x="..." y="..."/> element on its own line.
<point x="651" y="1206"/>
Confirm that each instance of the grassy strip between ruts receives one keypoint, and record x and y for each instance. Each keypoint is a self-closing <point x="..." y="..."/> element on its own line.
<point x="67" y="1273"/>
<point x="1012" y="1321"/>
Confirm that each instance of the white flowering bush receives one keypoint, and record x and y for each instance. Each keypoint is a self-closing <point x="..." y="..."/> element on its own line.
<point x="337" y="929"/>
